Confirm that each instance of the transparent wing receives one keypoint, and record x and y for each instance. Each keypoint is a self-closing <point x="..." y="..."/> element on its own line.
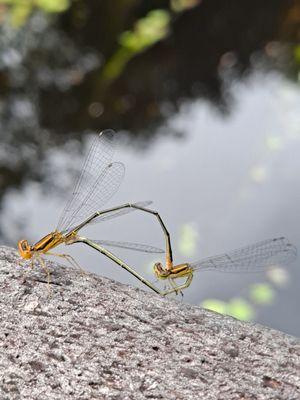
<point x="128" y="245"/>
<point x="101" y="191"/>
<point x="251" y="258"/>
<point x="98" y="181"/>
<point x="118" y="213"/>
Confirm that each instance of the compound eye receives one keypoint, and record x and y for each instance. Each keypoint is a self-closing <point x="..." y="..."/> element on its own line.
<point x="159" y="266"/>
<point x="24" y="245"/>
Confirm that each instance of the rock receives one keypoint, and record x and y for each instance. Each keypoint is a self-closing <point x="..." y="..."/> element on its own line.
<point x="93" y="338"/>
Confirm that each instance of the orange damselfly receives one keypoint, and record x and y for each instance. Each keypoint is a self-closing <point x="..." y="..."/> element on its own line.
<point x="99" y="180"/>
<point x="252" y="258"/>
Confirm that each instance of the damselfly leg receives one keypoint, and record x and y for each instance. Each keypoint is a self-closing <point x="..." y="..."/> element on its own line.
<point x="71" y="260"/>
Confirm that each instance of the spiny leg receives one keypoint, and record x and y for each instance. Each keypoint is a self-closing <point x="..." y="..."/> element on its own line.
<point x="118" y="261"/>
<point x="25" y="272"/>
<point x="70" y="259"/>
<point x="175" y="287"/>
<point x="122" y="264"/>
<point x="179" y="288"/>
<point x="43" y="265"/>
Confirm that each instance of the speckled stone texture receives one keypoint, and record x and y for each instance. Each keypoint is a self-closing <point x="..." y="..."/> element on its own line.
<point x="96" y="339"/>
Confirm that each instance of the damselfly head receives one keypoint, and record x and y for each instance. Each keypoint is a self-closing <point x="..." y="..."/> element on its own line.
<point x="24" y="249"/>
<point x="159" y="269"/>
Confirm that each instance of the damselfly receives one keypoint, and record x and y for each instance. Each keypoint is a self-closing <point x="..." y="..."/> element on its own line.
<point x="99" y="180"/>
<point x="253" y="258"/>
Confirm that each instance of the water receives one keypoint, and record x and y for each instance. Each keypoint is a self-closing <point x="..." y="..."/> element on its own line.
<point x="222" y="170"/>
<point x="225" y="178"/>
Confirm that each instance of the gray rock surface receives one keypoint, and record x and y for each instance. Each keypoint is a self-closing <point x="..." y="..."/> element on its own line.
<point x="97" y="339"/>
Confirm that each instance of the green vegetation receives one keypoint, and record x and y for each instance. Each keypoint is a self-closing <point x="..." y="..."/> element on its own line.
<point x="188" y="238"/>
<point x="260" y="294"/>
<point x="297" y="54"/>
<point x="237" y="307"/>
<point x="146" y="32"/>
<point x="18" y="11"/>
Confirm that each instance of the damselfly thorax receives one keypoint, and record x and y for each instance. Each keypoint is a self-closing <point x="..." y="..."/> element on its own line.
<point x="45" y="244"/>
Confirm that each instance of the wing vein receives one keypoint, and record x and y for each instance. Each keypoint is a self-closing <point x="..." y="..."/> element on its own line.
<point x="255" y="257"/>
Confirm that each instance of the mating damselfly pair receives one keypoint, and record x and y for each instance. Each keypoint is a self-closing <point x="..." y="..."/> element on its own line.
<point x="100" y="178"/>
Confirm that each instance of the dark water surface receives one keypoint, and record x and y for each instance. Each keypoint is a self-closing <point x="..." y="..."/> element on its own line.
<point x="209" y="127"/>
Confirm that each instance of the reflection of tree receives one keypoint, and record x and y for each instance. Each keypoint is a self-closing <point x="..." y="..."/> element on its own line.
<point x="34" y="58"/>
<point x="53" y="73"/>
<point x="203" y="41"/>
<point x="18" y="12"/>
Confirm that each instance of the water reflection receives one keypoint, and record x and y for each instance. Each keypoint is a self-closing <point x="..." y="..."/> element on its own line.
<point x="225" y="183"/>
<point x="53" y="71"/>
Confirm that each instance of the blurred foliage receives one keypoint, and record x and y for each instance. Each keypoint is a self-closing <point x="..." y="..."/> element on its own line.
<point x="188" y="240"/>
<point x="259" y="294"/>
<point x="147" y="31"/>
<point x="262" y="293"/>
<point x="274" y="143"/>
<point x="181" y="5"/>
<point x="258" y="173"/>
<point x="297" y="54"/>
<point x="20" y="10"/>
<point x="278" y="276"/>
<point x="241" y="309"/>
<point x="216" y="305"/>
<point x="237" y="307"/>
<point x="152" y="54"/>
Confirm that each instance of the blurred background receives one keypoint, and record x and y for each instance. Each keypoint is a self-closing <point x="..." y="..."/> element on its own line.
<point x="205" y="96"/>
